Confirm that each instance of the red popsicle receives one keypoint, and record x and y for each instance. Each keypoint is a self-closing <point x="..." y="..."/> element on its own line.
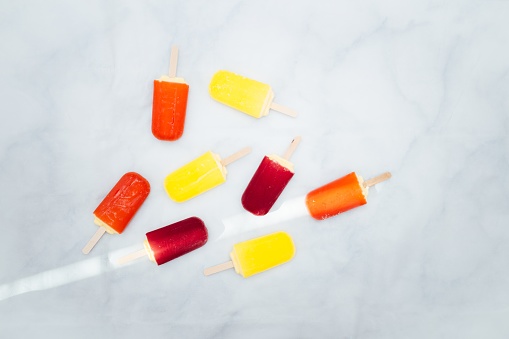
<point x="169" y="242"/>
<point x="269" y="181"/>
<point x="119" y="206"/>
<point x="169" y="103"/>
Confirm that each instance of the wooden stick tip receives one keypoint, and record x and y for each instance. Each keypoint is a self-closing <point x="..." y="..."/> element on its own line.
<point x="378" y="179"/>
<point x="218" y="268"/>
<point x="293" y="146"/>
<point x="94" y="240"/>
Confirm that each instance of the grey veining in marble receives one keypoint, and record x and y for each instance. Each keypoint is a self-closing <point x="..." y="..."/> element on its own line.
<point x="418" y="88"/>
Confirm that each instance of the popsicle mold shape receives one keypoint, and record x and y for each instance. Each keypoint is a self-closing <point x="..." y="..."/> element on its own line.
<point x="270" y="179"/>
<point x="340" y="195"/>
<point x="169" y="109"/>
<point x="172" y="241"/>
<point x="119" y="206"/>
<point x="200" y="175"/>
<point x="258" y="255"/>
<point x="244" y="94"/>
<point x="169" y="103"/>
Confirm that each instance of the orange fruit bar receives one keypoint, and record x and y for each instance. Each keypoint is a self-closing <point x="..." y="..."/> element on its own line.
<point x="169" y="109"/>
<point x="122" y="203"/>
<point x="336" y="197"/>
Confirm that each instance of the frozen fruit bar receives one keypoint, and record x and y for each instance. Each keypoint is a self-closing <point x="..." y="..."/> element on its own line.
<point x="257" y="255"/>
<point x="170" y="242"/>
<point x="246" y="95"/>
<point x="268" y="182"/>
<point x="199" y="175"/>
<point x="340" y="195"/>
<point x="169" y="103"/>
<point x="118" y="207"/>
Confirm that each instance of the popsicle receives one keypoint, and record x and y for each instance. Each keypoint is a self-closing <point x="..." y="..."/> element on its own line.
<point x="341" y="195"/>
<point x="246" y="95"/>
<point x="269" y="181"/>
<point x="119" y="207"/>
<point x="257" y="255"/>
<point x="200" y="175"/>
<point x="170" y="242"/>
<point x="169" y="103"/>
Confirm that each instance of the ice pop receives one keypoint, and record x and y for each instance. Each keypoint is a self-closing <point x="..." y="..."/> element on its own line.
<point x="246" y="95"/>
<point x="169" y="103"/>
<point x="119" y="206"/>
<point x="172" y="241"/>
<point x="200" y="175"/>
<point x="257" y="255"/>
<point x="269" y="181"/>
<point x="341" y="195"/>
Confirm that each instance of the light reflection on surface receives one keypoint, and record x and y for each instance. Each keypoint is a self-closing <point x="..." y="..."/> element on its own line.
<point x="67" y="274"/>
<point x="245" y="222"/>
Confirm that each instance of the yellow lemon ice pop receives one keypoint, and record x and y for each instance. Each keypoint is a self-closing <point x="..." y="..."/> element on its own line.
<point x="200" y="175"/>
<point x="257" y="255"/>
<point x="246" y="95"/>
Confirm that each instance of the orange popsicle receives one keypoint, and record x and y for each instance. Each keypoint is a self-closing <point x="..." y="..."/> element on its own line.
<point x="340" y="195"/>
<point x="119" y="206"/>
<point x="169" y="109"/>
<point x="169" y="103"/>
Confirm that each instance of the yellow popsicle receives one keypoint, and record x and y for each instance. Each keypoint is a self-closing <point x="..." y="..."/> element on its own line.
<point x="196" y="177"/>
<point x="257" y="255"/>
<point x="199" y="175"/>
<point x="244" y="94"/>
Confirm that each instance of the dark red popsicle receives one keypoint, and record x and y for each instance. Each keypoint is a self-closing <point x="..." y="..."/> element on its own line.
<point x="269" y="181"/>
<point x="172" y="241"/>
<point x="267" y="184"/>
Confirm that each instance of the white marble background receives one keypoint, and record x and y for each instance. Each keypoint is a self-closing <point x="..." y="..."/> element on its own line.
<point x="419" y="88"/>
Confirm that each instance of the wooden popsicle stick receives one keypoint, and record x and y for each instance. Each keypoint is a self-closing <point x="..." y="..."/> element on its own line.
<point x="173" y="61"/>
<point x="218" y="268"/>
<point x="236" y="156"/>
<point x="132" y="256"/>
<point x="283" y="109"/>
<point x="292" y="147"/>
<point x="95" y="238"/>
<point x="377" y="179"/>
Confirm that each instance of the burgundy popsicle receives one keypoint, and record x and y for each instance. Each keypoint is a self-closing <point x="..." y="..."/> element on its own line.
<point x="269" y="181"/>
<point x="170" y="242"/>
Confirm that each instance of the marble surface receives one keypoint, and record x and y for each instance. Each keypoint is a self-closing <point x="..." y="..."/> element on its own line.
<point x="418" y="88"/>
